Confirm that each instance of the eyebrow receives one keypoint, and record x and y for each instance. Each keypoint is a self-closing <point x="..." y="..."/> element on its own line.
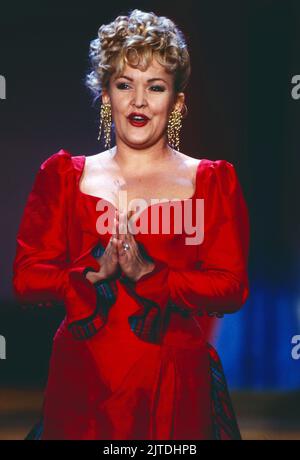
<point x="149" y="79"/>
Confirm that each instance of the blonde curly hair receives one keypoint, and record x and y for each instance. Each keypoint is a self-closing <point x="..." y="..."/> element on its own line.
<point x="134" y="40"/>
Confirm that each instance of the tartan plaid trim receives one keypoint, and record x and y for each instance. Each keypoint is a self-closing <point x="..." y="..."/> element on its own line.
<point x="184" y="311"/>
<point x="225" y="426"/>
<point x="87" y="327"/>
<point x="106" y="291"/>
<point x="147" y="322"/>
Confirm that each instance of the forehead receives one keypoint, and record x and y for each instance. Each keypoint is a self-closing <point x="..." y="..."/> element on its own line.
<point x="154" y="70"/>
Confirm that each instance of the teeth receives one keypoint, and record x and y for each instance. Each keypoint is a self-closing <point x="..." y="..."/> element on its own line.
<point x="138" y="118"/>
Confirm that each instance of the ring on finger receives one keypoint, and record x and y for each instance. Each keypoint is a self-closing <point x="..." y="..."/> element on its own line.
<point x="126" y="246"/>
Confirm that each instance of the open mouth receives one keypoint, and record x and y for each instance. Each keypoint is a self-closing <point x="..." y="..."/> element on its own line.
<point x="138" y="120"/>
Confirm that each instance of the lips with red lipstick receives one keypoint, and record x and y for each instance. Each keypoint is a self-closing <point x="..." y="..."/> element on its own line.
<point x="138" y="119"/>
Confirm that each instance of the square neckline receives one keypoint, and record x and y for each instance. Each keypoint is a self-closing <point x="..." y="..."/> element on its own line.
<point x="94" y="197"/>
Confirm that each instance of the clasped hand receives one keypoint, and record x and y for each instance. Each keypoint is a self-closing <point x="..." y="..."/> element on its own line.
<point x="131" y="261"/>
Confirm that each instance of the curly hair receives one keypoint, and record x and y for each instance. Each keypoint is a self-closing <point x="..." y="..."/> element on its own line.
<point x="134" y="40"/>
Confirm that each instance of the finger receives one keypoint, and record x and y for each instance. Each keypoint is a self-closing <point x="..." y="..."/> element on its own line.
<point x="121" y="252"/>
<point x="115" y="233"/>
<point x="115" y="230"/>
<point x="124" y="240"/>
<point x="112" y="247"/>
<point x="132" y="242"/>
<point x="128" y="240"/>
<point x="116" y="224"/>
<point x="114" y="250"/>
<point x="135" y="249"/>
<point x="122" y="226"/>
<point x="130" y="221"/>
<point x="126" y="252"/>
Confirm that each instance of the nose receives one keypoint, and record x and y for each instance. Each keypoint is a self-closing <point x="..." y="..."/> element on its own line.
<point x="139" y="99"/>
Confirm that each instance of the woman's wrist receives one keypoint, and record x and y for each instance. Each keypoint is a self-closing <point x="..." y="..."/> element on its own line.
<point x="149" y="269"/>
<point x="95" y="277"/>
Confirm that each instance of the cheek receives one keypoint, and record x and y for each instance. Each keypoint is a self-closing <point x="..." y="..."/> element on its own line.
<point x="119" y="103"/>
<point x="161" y="107"/>
<point x="120" y="108"/>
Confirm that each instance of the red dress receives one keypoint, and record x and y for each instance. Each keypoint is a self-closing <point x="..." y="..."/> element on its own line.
<point x="131" y="360"/>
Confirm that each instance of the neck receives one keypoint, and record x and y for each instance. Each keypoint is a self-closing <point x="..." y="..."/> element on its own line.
<point x="129" y="157"/>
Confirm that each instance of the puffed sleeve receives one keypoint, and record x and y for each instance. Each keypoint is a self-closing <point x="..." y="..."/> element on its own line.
<point x="42" y="271"/>
<point x="220" y="284"/>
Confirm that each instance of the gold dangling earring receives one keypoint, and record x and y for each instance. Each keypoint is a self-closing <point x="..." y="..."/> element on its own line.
<point x="105" y="119"/>
<point x="174" y="127"/>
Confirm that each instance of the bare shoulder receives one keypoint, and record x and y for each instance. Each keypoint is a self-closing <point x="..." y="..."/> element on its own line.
<point x="99" y="163"/>
<point x="190" y="162"/>
<point x="187" y="159"/>
<point x="96" y="157"/>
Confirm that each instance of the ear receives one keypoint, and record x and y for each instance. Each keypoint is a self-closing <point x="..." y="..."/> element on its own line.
<point x="105" y="97"/>
<point x="179" y="102"/>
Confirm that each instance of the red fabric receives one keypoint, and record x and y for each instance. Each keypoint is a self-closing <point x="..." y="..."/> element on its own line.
<point x="114" y="385"/>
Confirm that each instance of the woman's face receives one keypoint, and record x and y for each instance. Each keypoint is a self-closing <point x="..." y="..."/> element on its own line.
<point x="147" y="92"/>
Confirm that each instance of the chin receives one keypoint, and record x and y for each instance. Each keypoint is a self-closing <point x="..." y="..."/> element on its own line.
<point x="138" y="143"/>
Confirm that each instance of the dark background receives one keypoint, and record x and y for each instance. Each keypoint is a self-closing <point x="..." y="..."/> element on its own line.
<point x="243" y="54"/>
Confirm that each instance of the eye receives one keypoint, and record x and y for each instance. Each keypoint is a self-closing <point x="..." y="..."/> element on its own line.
<point x="159" y="88"/>
<point x="121" y="85"/>
<point x="155" y="88"/>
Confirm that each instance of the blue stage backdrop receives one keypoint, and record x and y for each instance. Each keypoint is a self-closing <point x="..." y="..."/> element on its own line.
<point x="255" y="344"/>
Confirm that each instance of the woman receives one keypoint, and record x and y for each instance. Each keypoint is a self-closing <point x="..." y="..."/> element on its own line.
<point x="131" y="360"/>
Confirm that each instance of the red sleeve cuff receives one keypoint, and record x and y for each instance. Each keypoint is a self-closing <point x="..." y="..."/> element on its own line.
<point x="151" y="294"/>
<point x="80" y="296"/>
<point x="152" y="285"/>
